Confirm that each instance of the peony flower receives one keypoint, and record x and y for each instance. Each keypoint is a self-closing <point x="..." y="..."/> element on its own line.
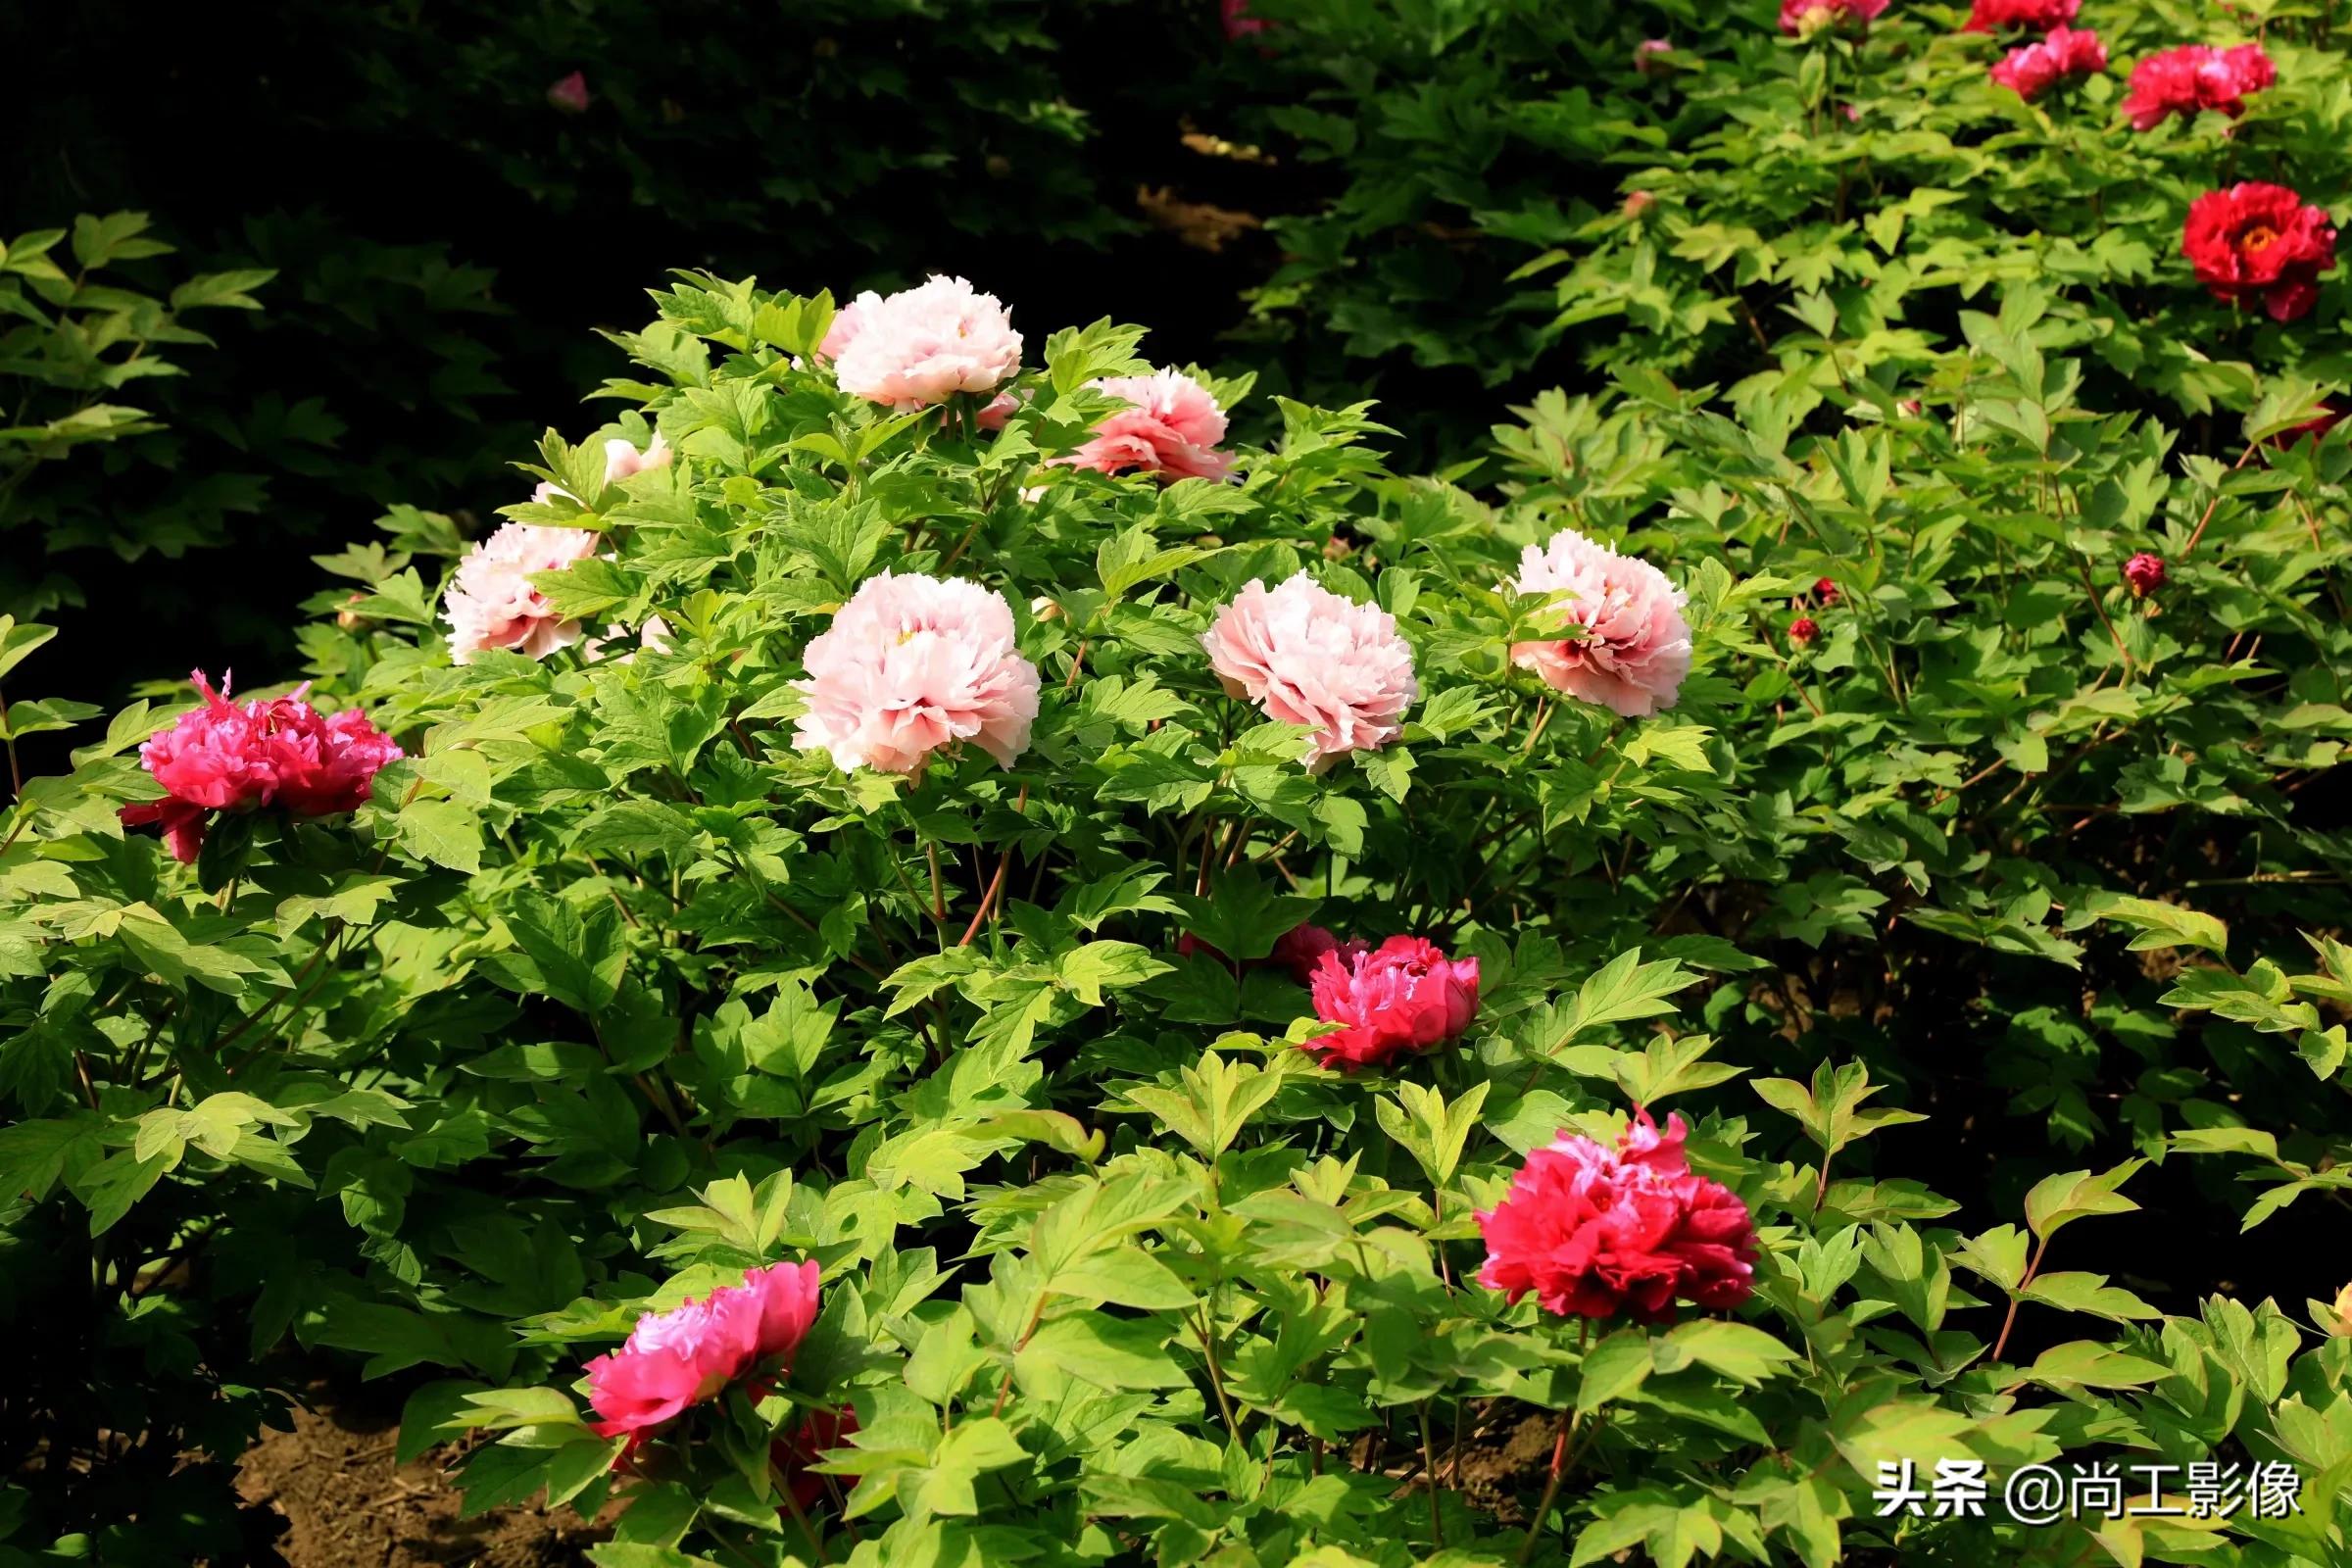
<point x="689" y="1353"/>
<point x="1638" y="202"/>
<point x="994" y="413"/>
<point x="491" y="602"/>
<point x="2331" y="413"/>
<point x="848" y="322"/>
<point x="925" y="345"/>
<point x="1305" y="656"/>
<point x="1826" y="590"/>
<point x="2063" y="56"/>
<point x="2254" y="240"/>
<point x="792" y="1455"/>
<point x="569" y="94"/>
<point x="1646" y="52"/>
<point x="2195" y="78"/>
<point x="225" y="757"/>
<point x="1594" y="1231"/>
<point x="1299" y="950"/>
<point x="1403" y="996"/>
<point x="913" y="664"/>
<point x="2143" y="575"/>
<point x="622" y="459"/>
<point x="1992" y="15"/>
<point x="1804" y="17"/>
<point x="1239" y="24"/>
<point x="1802" y="630"/>
<point x="1636" y="648"/>
<point x="1170" y="427"/>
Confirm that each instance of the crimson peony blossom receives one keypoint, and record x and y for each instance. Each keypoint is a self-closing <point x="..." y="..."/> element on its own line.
<point x="1802" y="630"/>
<point x="225" y="757"/>
<point x="1593" y="1231"/>
<point x="912" y="665"/>
<point x="1826" y="590"/>
<point x="2195" y="78"/>
<point x="2063" y="56"/>
<point x="1804" y="17"/>
<point x="687" y="1354"/>
<point x="569" y="94"/>
<point x="792" y="1455"/>
<point x="2254" y="240"/>
<point x="923" y="344"/>
<point x="1298" y="951"/>
<point x="1636" y="647"/>
<point x="2144" y="574"/>
<point x="1305" y="656"/>
<point x="1170" y="427"/>
<point x="1993" y="16"/>
<point x="1403" y="996"/>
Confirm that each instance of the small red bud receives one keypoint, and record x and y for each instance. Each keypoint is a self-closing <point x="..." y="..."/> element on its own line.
<point x="1802" y="631"/>
<point x="2144" y="574"/>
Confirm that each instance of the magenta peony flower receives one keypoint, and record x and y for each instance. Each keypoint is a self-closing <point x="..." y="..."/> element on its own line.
<point x="683" y="1356"/>
<point x="227" y="758"/>
<point x="569" y="94"/>
<point x="1172" y="427"/>
<point x="2063" y="56"/>
<point x="1636" y="648"/>
<point x="1993" y="16"/>
<point x="491" y="602"/>
<point x="2195" y="78"/>
<point x="925" y="345"/>
<point x="2144" y="574"/>
<point x="913" y="664"/>
<point x="1305" y="656"/>
<point x="1594" y="1231"/>
<point x="1403" y="996"/>
<point x="1804" y="17"/>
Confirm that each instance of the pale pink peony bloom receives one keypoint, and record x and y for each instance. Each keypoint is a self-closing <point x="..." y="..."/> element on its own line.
<point x="491" y="602"/>
<point x="1648" y="50"/>
<point x="621" y="460"/>
<point x="1305" y="656"/>
<point x="229" y="756"/>
<point x="997" y="411"/>
<point x="1170" y="427"/>
<point x="691" y="1352"/>
<point x="848" y="321"/>
<point x="569" y="94"/>
<point x="913" y="664"/>
<point x="1636" y="647"/>
<point x="925" y="344"/>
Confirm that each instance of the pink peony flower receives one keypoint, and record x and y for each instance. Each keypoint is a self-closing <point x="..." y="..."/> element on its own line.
<point x="1172" y="427"/>
<point x="1403" y="996"/>
<point x="1305" y="656"/>
<point x="1993" y="16"/>
<point x="925" y="345"/>
<point x="2063" y="56"/>
<point x="491" y="602"/>
<point x="1646" y="52"/>
<point x="1638" y="202"/>
<point x="683" y="1356"/>
<point x="999" y="409"/>
<point x="2144" y="574"/>
<point x="1594" y="1231"/>
<point x="2195" y="78"/>
<point x="1804" y="17"/>
<point x="1636" y="648"/>
<point x="911" y="665"/>
<point x="848" y="322"/>
<point x="569" y="94"/>
<point x="622" y="459"/>
<point x="227" y="757"/>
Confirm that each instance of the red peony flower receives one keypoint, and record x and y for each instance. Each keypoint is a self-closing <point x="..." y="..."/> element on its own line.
<point x="2331" y="414"/>
<point x="1827" y="591"/>
<point x="2253" y="240"/>
<point x="2063" y="56"/>
<point x="792" y="1455"/>
<point x="1994" y="16"/>
<point x="2144" y="574"/>
<point x="1594" y="1231"/>
<point x="1802" y="630"/>
<point x="1299" y="950"/>
<point x="227" y="758"/>
<point x="1804" y="17"/>
<point x="1403" y="996"/>
<point x="2195" y="78"/>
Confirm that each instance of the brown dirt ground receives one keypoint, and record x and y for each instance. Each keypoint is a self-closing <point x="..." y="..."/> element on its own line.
<point x="346" y="1506"/>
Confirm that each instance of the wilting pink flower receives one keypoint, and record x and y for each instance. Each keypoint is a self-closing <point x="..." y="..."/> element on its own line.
<point x="1594" y="1231"/>
<point x="925" y="345"/>
<point x="2144" y="574"/>
<point x="569" y="94"/>
<point x="1648" y="50"/>
<point x="1803" y="18"/>
<point x="1636" y="648"/>
<point x="1172" y="427"/>
<point x="2194" y="77"/>
<point x="1305" y="656"/>
<point x="2260" y="241"/>
<point x="227" y="757"/>
<point x="2064" y="55"/>
<point x="1993" y="16"/>
<point x="912" y="665"/>
<point x="806" y="1444"/>
<point x="491" y="602"/>
<point x="687" y="1354"/>
<point x="1239" y="24"/>
<point x="1802" y="630"/>
<point x="1403" y="996"/>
